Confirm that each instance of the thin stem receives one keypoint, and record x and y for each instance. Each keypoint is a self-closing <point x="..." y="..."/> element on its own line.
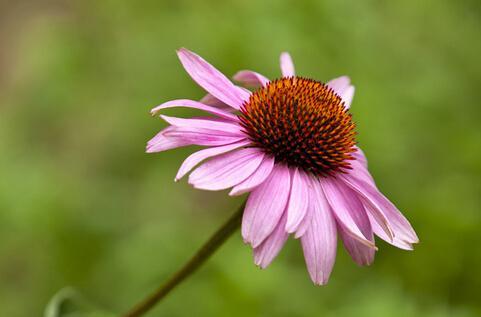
<point x="217" y="239"/>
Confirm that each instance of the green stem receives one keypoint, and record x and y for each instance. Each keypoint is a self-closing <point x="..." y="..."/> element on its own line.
<point x="217" y="239"/>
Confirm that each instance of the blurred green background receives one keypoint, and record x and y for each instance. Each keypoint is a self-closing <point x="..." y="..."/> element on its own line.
<point x="82" y="205"/>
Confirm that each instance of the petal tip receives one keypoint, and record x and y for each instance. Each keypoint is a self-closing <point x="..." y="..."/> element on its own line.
<point x="290" y="228"/>
<point x="238" y="76"/>
<point x="320" y="280"/>
<point x="182" y="50"/>
<point x="233" y="193"/>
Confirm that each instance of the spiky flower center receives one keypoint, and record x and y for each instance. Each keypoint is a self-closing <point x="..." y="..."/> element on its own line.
<point x="300" y="122"/>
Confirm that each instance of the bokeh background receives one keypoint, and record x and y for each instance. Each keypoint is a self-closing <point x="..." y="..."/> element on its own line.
<point x="82" y="205"/>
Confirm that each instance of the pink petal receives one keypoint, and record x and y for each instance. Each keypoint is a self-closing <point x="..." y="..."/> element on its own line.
<point x="360" y="156"/>
<point x="212" y="80"/>
<point x="204" y="137"/>
<point x="347" y="96"/>
<point x="305" y="223"/>
<point x="342" y="86"/>
<point x="265" y="206"/>
<point x="226" y="170"/>
<point x="259" y="176"/>
<point x="298" y="200"/>
<point x="197" y="157"/>
<point x="250" y="78"/>
<point x="401" y="227"/>
<point x="339" y="84"/>
<point x="380" y="233"/>
<point x="361" y="181"/>
<point x="272" y="245"/>
<point x="195" y="105"/>
<point x="222" y="127"/>
<point x="379" y="206"/>
<point x="403" y="235"/>
<point x="212" y="101"/>
<point x="311" y="209"/>
<point x="319" y="243"/>
<point x="361" y="254"/>
<point x="287" y="66"/>
<point x="161" y="143"/>
<point x="346" y="208"/>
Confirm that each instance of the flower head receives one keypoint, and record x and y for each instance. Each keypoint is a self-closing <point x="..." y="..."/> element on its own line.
<point x="291" y="144"/>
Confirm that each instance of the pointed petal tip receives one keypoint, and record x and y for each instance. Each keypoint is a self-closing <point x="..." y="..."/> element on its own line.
<point x="234" y="192"/>
<point x="409" y="248"/>
<point x="415" y="238"/>
<point x="181" y="50"/>
<point x="290" y="229"/>
<point x="293" y="228"/>
<point x="256" y="243"/>
<point x="252" y="242"/>
<point x="319" y="280"/>
<point x="183" y="53"/>
<point x="259" y="264"/>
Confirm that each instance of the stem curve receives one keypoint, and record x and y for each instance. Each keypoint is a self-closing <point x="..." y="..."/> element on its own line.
<point x="214" y="242"/>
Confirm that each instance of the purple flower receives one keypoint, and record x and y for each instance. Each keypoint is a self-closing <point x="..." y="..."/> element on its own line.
<point x="291" y="144"/>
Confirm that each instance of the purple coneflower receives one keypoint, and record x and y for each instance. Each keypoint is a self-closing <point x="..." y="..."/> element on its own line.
<point x="291" y="144"/>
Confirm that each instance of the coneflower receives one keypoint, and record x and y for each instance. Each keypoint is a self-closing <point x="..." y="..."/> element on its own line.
<point x="291" y="145"/>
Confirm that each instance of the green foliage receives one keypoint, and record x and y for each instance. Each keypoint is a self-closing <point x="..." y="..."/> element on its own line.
<point x="81" y="203"/>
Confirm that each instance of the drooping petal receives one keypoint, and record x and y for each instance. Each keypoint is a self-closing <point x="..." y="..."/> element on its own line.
<point x="226" y="170"/>
<point x="250" y="78"/>
<point x="360" y="180"/>
<point x="222" y="127"/>
<point x="401" y="227"/>
<point x="213" y="81"/>
<point x="311" y="209"/>
<point x="298" y="200"/>
<point x="346" y="209"/>
<point x="265" y="206"/>
<point x="382" y="210"/>
<point x="305" y="223"/>
<point x="381" y="234"/>
<point x="197" y="157"/>
<point x="361" y="254"/>
<point x="195" y="105"/>
<point x="272" y="245"/>
<point x="319" y="243"/>
<point x="342" y="86"/>
<point x="259" y="176"/>
<point x="287" y="65"/>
